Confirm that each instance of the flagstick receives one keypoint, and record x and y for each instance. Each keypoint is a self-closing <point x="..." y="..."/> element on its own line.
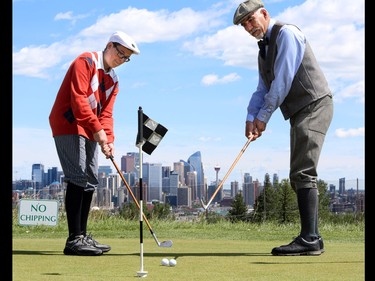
<point x="141" y="272"/>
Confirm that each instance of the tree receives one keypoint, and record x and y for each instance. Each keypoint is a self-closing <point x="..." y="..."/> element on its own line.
<point x="267" y="180"/>
<point x="131" y="211"/>
<point x="324" y="198"/>
<point x="238" y="211"/>
<point x="266" y="204"/>
<point x="287" y="209"/>
<point x="160" y="210"/>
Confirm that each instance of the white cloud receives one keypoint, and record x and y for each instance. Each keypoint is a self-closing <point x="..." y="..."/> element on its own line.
<point x="209" y="139"/>
<point x="64" y="16"/>
<point x="336" y="38"/>
<point x="160" y="25"/>
<point x="212" y="79"/>
<point x="231" y="45"/>
<point x="342" y="133"/>
<point x="70" y="17"/>
<point x="355" y="91"/>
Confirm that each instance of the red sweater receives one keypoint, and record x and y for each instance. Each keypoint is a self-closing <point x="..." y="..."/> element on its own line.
<point x="84" y="102"/>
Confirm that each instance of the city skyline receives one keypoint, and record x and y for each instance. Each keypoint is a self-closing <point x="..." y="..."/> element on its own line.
<point x="195" y="74"/>
<point x="351" y="182"/>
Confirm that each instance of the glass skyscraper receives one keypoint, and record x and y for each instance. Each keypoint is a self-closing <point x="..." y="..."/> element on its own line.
<point x="195" y="160"/>
<point x="37" y="176"/>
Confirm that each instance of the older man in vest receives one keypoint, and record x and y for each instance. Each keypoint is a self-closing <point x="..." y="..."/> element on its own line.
<point x="290" y="78"/>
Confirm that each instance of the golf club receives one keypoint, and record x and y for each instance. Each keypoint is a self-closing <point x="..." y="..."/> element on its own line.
<point x="165" y="244"/>
<point x="205" y="206"/>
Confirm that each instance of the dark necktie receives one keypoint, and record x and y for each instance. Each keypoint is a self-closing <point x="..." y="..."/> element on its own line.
<point x="262" y="46"/>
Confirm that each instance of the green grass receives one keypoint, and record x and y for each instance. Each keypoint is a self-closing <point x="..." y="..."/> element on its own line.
<point x="220" y="252"/>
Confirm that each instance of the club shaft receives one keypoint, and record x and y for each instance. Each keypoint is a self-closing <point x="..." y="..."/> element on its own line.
<point x="229" y="171"/>
<point x="134" y="199"/>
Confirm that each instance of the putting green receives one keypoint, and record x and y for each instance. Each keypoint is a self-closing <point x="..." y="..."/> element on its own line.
<point x="198" y="259"/>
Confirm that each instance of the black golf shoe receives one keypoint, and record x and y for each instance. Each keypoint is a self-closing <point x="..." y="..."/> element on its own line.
<point x="91" y="241"/>
<point x="298" y="247"/>
<point x="79" y="247"/>
<point x="321" y="244"/>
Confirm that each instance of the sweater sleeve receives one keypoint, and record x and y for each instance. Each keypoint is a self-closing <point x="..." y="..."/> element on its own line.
<point x="106" y="115"/>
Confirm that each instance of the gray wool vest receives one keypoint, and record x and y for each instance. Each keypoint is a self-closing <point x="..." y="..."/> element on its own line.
<point x="309" y="83"/>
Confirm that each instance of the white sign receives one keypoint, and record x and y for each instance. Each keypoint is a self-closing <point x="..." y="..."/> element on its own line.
<point x="37" y="212"/>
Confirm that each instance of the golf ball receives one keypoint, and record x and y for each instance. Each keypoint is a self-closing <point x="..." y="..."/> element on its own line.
<point x="165" y="262"/>
<point x="172" y="262"/>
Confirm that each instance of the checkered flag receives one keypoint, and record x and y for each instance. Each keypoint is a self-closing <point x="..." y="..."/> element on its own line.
<point x="152" y="133"/>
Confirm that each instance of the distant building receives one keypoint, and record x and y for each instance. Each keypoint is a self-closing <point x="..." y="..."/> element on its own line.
<point x="37" y="176"/>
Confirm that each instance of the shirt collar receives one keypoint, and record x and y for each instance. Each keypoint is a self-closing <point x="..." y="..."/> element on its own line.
<point x="269" y="29"/>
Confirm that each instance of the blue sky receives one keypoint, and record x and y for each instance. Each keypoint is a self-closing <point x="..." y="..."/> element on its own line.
<point x="195" y="75"/>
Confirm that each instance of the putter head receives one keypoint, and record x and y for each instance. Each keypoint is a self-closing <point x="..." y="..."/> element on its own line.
<point x="166" y="244"/>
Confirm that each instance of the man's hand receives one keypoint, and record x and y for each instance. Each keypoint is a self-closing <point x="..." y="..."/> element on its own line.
<point x="111" y="150"/>
<point x="100" y="137"/>
<point x="107" y="148"/>
<point x="255" y="129"/>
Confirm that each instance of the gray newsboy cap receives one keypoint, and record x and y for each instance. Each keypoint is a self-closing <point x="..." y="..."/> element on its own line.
<point x="246" y="8"/>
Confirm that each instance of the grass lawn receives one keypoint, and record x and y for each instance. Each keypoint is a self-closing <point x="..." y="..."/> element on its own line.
<point x="220" y="252"/>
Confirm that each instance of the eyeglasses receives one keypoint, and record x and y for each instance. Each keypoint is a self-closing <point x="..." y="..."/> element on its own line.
<point x="121" y="54"/>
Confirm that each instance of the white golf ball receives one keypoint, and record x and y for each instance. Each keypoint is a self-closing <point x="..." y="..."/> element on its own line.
<point x="165" y="262"/>
<point x="172" y="262"/>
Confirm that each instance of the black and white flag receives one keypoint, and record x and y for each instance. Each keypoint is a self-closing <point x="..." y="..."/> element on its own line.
<point x="152" y="133"/>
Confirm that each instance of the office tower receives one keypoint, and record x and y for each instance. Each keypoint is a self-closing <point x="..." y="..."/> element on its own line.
<point x="165" y="170"/>
<point x="342" y="186"/>
<point x="211" y="190"/>
<point x="37" y="176"/>
<point x="234" y="185"/>
<point x="51" y="176"/>
<point x="131" y="178"/>
<point x="178" y="167"/>
<point x="113" y="185"/>
<point x="99" y="197"/>
<point x="105" y="170"/>
<point x="171" y="200"/>
<point x="130" y="162"/>
<point x="166" y="186"/>
<point x="184" y="196"/>
<point x="173" y="183"/>
<point x="195" y="161"/>
<point x="153" y="178"/>
<point x="191" y="181"/>
<point x="332" y="191"/>
<point x="248" y="190"/>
